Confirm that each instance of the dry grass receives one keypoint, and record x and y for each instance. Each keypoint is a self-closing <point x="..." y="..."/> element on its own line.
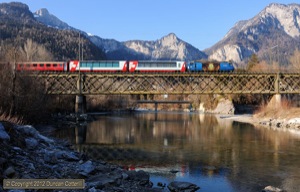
<point x="283" y="111"/>
<point x="11" y="119"/>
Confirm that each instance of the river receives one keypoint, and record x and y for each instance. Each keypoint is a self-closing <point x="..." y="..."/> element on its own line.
<point x="210" y="151"/>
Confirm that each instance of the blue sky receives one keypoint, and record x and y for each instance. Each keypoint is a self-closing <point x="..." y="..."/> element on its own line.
<point x="202" y="23"/>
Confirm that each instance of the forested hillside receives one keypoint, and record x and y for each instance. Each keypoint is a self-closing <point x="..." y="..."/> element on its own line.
<point x="24" y="38"/>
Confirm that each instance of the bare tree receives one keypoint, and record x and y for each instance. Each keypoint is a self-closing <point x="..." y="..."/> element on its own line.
<point x="43" y="54"/>
<point x="31" y="51"/>
<point x="295" y="61"/>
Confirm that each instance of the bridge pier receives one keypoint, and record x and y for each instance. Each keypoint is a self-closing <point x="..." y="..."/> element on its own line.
<point x="80" y="104"/>
<point x="275" y="101"/>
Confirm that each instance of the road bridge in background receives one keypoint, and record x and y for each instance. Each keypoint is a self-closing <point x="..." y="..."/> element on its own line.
<point x="156" y="102"/>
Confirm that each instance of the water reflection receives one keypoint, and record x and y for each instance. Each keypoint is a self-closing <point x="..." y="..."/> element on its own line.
<point x="210" y="151"/>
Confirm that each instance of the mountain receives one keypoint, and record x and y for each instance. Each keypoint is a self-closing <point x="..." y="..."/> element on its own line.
<point x="273" y="34"/>
<point x="14" y="12"/>
<point x="168" y="47"/>
<point x="48" y="19"/>
<point x="18" y="25"/>
<point x="115" y="49"/>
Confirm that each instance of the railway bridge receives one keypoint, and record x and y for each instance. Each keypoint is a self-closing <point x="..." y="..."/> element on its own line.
<point x="82" y="84"/>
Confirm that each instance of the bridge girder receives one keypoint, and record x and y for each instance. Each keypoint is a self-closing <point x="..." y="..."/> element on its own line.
<point x="171" y="84"/>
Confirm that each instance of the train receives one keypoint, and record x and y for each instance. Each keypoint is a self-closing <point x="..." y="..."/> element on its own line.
<point x="131" y="66"/>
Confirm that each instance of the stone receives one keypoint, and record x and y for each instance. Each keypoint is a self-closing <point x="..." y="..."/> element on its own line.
<point x="70" y="156"/>
<point x="2" y="161"/>
<point x="160" y="184"/>
<point x="100" y="180"/>
<point x="31" y="166"/>
<point x="50" y="157"/>
<point x="9" y="172"/>
<point x="27" y="130"/>
<point x="225" y="106"/>
<point x="94" y="190"/>
<point x="32" y="132"/>
<point x="177" y="186"/>
<point x="272" y="189"/>
<point x="86" y="168"/>
<point x="31" y="143"/>
<point x="3" y="135"/>
<point x="39" y="159"/>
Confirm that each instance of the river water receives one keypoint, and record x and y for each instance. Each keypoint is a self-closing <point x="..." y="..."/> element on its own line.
<point x="210" y="151"/>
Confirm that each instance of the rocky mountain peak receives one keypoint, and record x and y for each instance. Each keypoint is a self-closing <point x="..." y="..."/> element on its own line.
<point x="170" y="36"/>
<point x="43" y="12"/>
<point x="15" y="10"/>
<point x="168" y="47"/>
<point x="170" y="40"/>
<point x="277" y="24"/>
<point x="46" y="18"/>
<point x="288" y="17"/>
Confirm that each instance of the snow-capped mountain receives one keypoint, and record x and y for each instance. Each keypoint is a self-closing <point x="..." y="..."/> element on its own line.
<point x="168" y="47"/>
<point x="48" y="19"/>
<point x="274" y="32"/>
<point x="277" y="26"/>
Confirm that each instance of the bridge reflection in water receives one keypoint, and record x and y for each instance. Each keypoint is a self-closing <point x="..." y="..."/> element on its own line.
<point x="209" y="151"/>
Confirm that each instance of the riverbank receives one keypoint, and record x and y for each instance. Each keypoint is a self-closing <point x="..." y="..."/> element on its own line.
<point x="27" y="154"/>
<point x="284" y="118"/>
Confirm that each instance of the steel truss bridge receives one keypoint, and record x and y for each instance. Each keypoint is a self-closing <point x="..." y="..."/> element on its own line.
<point x="169" y="83"/>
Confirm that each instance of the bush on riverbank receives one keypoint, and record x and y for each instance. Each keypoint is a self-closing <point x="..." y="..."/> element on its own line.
<point x="22" y="98"/>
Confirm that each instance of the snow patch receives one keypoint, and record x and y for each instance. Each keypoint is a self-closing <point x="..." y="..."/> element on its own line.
<point x="294" y="120"/>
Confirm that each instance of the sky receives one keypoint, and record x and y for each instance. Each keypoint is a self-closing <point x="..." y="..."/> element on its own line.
<point x="201" y="23"/>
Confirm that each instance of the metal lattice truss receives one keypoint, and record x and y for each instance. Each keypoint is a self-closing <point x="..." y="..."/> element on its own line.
<point x="186" y="83"/>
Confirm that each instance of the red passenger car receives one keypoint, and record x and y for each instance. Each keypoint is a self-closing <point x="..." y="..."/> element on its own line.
<point x="41" y="66"/>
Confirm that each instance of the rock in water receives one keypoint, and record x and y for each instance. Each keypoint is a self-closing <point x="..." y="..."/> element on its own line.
<point x="177" y="186"/>
<point x="272" y="189"/>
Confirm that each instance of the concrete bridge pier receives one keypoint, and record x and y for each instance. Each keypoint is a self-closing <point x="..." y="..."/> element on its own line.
<point x="80" y="104"/>
<point x="275" y="101"/>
